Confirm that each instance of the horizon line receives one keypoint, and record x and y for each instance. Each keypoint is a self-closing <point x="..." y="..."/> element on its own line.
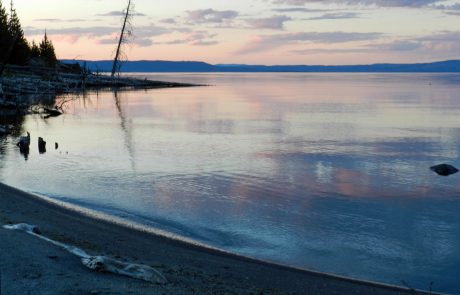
<point x="266" y="65"/>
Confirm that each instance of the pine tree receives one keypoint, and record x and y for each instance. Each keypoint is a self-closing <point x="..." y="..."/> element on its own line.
<point x="4" y="33"/>
<point x="21" y="50"/>
<point x="34" y="50"/>
<point x="47" y="52"/>
<point x="14" y="48"/>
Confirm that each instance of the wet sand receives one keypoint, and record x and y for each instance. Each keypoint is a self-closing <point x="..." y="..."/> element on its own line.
<point x="29" y="265"/>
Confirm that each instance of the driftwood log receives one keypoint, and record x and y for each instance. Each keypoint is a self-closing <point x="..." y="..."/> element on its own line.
<point x="51" y="112"/>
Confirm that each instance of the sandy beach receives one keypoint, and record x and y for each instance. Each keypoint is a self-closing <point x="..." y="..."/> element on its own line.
<point x="29" y="265"/>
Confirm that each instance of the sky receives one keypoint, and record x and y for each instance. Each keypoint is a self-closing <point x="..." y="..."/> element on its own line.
<point x="331" y="32"/>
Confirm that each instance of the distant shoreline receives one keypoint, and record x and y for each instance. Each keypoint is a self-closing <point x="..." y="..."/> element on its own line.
<point x="157" y="66"/>
<point x="189" y="269"/>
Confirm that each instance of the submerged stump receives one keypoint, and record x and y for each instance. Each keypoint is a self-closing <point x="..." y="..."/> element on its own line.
<point x="41" y="145"/>
<point x="24" y="142"/>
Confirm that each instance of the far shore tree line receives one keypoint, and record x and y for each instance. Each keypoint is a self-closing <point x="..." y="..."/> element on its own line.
<point x="14" y="47"/>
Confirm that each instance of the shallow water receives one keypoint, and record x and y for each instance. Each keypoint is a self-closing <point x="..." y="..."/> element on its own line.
<point x="321" y="171"/>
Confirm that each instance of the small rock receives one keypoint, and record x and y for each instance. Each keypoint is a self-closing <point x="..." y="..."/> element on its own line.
<point x="36" y="231"/>
<point x="444" y="169"/>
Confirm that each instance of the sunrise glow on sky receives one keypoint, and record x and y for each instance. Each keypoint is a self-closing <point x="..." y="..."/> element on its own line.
<point x="252" y="31"/>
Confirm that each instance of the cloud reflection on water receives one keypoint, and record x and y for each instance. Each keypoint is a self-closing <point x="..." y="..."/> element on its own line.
<point x="322" y="171"/>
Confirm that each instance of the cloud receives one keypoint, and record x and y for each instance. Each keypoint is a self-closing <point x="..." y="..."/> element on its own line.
<point x="205" y="43"/>
<point x="336" y="15"/>
<point x="102" y="34"/>
<point x="106" y="41"/>
<point x="197" y="38"/>
<point x="269" y="42"/>
<point x="275" y="22"/>
<point x="454" y="6"/>
<point x="48" y="20"/>
<point x="453" y="13"/>
<point x="168" y="21"/>
<point x="57" y="20"/>
<point x="143" y="42"/>
<point x="150" y="31"/>
<point x="77" y="31"/>
<point x="119" y="13"/>
<point x="210" y="16"/>
<point x="98" y="31"/>
<point x="380" y="3"/>
<point x="445" y="42"/>
<point x="404" y="45"/>
<point x="330" y="50"/>
<point x="297" y="9"/>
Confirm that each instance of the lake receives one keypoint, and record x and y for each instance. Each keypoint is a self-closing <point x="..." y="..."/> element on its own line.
<point x="328" y="172"/>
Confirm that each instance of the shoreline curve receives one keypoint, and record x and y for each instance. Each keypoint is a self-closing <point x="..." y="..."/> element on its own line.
<point x="192" y="268"/>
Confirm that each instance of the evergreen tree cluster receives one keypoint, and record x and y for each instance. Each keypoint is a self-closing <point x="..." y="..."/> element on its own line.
<point x="14" y="47"/>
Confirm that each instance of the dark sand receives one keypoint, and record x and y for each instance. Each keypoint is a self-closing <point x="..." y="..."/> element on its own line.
<point x="29" y="265"/>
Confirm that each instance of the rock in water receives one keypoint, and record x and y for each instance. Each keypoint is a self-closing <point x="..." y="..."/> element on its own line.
<point x="41" y="145"/>
<point x="444" y="169"/>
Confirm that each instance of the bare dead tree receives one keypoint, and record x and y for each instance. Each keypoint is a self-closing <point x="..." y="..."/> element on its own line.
<point x="126" y="33"/>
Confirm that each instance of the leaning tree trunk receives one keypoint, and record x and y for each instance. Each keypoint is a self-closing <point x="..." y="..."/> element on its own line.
<point x="116" y="60"/>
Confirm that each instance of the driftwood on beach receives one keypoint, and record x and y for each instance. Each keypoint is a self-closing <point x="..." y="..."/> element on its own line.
<point x="67" y="83"/>
<point x="40" y="80"/>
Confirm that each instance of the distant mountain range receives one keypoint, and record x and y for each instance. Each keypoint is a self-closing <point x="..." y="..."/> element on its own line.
<point x="449" y="66"/>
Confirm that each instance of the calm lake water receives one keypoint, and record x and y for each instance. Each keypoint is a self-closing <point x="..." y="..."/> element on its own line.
<point x="322" y="171"/>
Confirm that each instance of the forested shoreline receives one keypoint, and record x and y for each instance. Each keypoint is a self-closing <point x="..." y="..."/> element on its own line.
<point x="29" y="71"/>
<point x="15" y="49"/>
